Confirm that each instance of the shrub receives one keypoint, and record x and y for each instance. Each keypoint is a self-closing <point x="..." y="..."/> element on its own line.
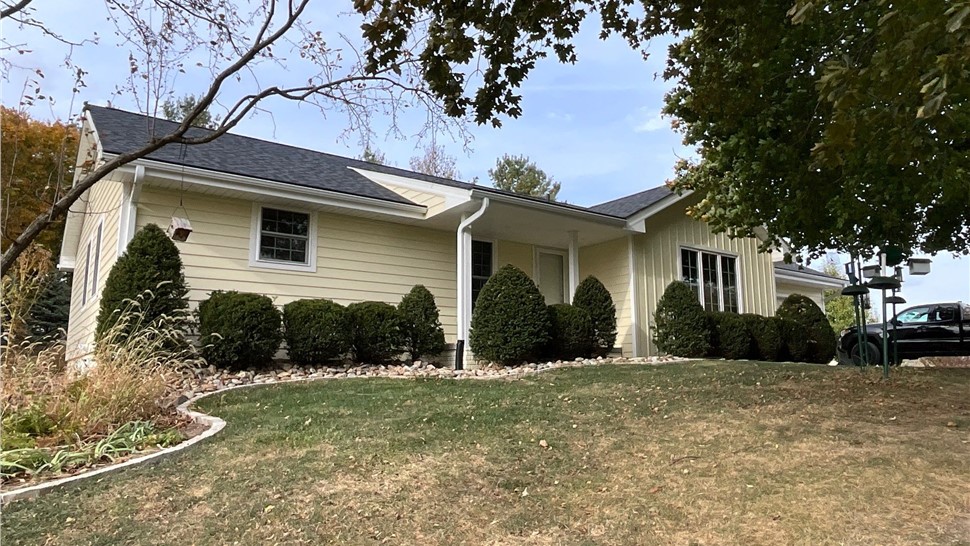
<point x="376" y="331"/>
<point x="766" y="338"/>
<point x="510" y="323"/>
<point x="815" y="328"/>
<point x="423" y="335"/>
<point x="794" y="343"/>
<point x="571" y="332"/>
<point x="151" y="263"/>
<point x="681" y="327"/>
<point x="596" y="300"/>
<point x="239" y="330"/>
<point x="729" y="337"/>
<point x="315" y="330"/>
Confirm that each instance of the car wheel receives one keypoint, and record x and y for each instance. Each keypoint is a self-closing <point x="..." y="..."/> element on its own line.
<point x="874" y="357"/>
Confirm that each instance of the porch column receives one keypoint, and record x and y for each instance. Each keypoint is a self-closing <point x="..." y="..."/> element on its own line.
<point x="573" y="260"/>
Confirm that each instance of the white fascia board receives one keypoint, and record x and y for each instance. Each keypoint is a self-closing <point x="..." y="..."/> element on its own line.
<point x="453" y="196"/>
<point x="806" y="278"/>
<point x="260" y="188"/>
<point x="550" y="207"/>
<point x="637" y="222"/>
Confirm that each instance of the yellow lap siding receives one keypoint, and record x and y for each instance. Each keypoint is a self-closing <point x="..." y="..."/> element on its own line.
<point x="609" y="263"/>
<point x="357" y="259"/>
<point x="520" y="255"/>
<point x="658" y="264"/>
<point x="102" y="206"/>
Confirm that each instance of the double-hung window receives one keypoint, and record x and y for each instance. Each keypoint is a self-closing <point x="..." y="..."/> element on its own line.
<point x="482" y="257"/>
<point x="283" y="239"/>
<point x="713" y="277"/>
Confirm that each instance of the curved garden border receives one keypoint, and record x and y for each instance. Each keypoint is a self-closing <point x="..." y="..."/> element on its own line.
<point x="215" y="424"/>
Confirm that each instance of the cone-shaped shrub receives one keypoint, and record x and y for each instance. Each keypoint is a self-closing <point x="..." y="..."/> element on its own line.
<point x="596" y="300"/>
<point x="571" y="332"/>
<point x="151" y="262"/>
<point x="729" y="337"/>
<point x="239" y="330"/>
<point x="794" y="341"/>
<point x="423" y="335"/>
<point x="376" y="331"/>
<point x="315" y="330"/>
<point x="510" y="323"/>
<point x="815" y="328"/>
<point x="765" y="336"/>
<point x="681" y="327"/>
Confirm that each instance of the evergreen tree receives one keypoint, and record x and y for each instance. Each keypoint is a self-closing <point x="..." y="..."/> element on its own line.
<point x="593" y="297"/>
<point x="518" y="174"/>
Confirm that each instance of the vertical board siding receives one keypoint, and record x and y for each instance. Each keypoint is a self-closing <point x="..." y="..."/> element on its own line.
<point x="357" y="259"/>
<point x="609" y="262"/>
<point x="658" y="252"/>
<point x="101" y="204"/>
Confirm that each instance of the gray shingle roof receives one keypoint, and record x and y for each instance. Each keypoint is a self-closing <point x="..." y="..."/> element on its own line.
<point x="801" y="269"/>
<point x="122" y="131"/>
<point x="631" y="204"/>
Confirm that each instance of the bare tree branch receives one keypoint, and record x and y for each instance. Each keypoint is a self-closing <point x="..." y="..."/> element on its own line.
<point x="10" y="10"/>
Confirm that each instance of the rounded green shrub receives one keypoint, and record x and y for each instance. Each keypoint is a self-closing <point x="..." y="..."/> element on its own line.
<point x="151" y="263"/>
<point x="729" y="337"/>
<point x="681" y="327"/>
<point x="510" y="322"/>
<point x="571" y="332"/>
<point x="766" y="339"/>
<point x="315" y="330"/>
<point x="815" y="328"/>
<point x="376" y="331"/>
<point x="239" y="330"/>
<point x="593" y="297"/>
<point x="423" y="335"/>
<point x="794" y="342"/>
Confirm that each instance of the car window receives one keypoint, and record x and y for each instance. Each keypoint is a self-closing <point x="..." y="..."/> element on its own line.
<point x="944" y="313"/>
<point x="915" y="315"/>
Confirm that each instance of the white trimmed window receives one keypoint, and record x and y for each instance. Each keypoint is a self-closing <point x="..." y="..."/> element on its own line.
<point x="97" y="261"/>
<point x="283" y="238"/>
<point x="87" y="267"/>
<point x="713" y="276"/>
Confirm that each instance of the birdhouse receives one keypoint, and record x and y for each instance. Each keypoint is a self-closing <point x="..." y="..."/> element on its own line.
<point x="919" y="266"/>
<point x="179" y="229"/>
<point x="870" y="271"/>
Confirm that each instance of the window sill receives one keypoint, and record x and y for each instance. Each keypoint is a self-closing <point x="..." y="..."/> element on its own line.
<point x="283" y="266"/>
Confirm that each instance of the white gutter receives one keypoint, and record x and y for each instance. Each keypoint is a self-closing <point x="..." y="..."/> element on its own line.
<point x="262" y="187"/>
<point x="464" y="281"/>
<point x="808" y="278"/>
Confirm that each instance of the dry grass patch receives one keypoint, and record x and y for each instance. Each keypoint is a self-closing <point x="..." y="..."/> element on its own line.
<point x="698" y="453"/>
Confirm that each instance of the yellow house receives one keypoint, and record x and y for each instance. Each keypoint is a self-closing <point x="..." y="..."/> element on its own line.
<point x="293" y="223"/>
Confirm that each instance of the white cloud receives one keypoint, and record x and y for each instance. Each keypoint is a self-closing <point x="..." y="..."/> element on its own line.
<point x="648" y="121"/>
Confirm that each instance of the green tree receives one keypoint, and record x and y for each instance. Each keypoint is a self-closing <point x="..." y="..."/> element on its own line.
<point x="436" y="162"/>
<point x="423" y="335"/>
<point x="681" y="327"/>
<point x="150" y="263"/>
<point x="373" y="155"/>
<point x="839" y="309"/>
<point x="181" y="109"/>
<point x="784" y="105"/>
<point x="517" y="174"/>
<point x="592" y="296"/>
<point x="36" y="168"/>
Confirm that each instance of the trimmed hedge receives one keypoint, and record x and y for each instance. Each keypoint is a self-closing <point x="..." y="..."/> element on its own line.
<point x="423" y="335"/>
<point x="510" y="322"/>
<point x="766" y="339"/>
<point x="239" y="330"/>
<point x="571" y="332"/>
<point x="593" y="297"/>
<point x="681" y="327"/>
<point x="376" y="331"/>
<point x="794" y="342"/>
<point x="815" y="329"/>
<point x="315" y="330"/>
<point x="150" y="263"/>
<point x="729" y="337"/>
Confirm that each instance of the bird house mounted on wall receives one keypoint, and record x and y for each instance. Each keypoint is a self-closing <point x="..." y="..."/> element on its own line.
<point x="179" y="229"/>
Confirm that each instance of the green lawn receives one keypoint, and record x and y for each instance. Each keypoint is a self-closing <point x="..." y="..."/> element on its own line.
<point x="692" y="453"/>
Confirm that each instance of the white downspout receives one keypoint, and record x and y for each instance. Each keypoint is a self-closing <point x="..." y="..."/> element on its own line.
<point x="464" y="282"/>
<point x="129" y="208"/>
<point x="573" y="259"/>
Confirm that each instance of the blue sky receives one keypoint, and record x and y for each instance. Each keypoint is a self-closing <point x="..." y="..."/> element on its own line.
<point x="594" y="126"/>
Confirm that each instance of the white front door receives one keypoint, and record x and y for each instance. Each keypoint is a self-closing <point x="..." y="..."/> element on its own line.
<point x="551" y="267"/>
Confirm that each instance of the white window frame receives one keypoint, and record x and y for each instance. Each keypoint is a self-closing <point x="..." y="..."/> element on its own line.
<point x="720" y="273"/>
<point x="87" y="267"/>
<point x="255" y="232"/>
